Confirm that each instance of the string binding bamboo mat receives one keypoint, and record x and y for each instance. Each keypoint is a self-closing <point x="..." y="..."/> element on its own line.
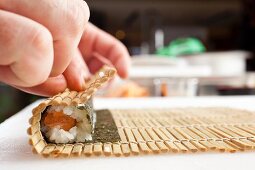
<point x="178" y="130"/>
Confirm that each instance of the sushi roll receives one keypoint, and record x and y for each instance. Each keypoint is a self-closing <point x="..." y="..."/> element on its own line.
<point x="69" y="124"/>
<point x="68" y="117"/>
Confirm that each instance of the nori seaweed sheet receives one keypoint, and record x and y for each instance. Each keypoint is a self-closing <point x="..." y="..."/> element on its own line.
<point x="105" y="128"/>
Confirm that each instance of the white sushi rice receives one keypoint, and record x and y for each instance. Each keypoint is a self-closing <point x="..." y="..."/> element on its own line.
<point x="79" y="133"/>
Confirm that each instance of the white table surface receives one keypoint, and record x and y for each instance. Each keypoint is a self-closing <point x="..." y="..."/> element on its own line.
<point x="15" y="153"/>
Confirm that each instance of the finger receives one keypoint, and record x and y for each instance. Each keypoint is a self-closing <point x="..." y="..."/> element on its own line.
<point x="65" y="20"/>
<point x="50" y="87"/>
<point x="96" y="40"/>
<point x="76" y="73"/>
<point x="26" y="50"/>
<point x="97" y="61"/>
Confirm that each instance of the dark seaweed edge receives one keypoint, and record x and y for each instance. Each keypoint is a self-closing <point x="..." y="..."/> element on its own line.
<point x="105" y="128"/>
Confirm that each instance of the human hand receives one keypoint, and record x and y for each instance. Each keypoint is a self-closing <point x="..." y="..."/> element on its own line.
<point x="46" y="46"/>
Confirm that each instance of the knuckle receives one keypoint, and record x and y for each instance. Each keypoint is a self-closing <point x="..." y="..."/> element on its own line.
<point x="85" y="10"/>
<point x="41" y="40"/>
<point x="77" y="15"/>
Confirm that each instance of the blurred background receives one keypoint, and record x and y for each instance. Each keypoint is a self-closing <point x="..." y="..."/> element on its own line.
<point x="178" y="47"/>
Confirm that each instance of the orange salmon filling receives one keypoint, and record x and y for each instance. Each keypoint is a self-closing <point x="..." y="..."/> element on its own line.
<point x="54" y="119"/>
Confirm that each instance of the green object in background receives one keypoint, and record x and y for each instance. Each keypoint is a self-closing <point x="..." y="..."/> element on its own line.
<point x="182" y="46"/>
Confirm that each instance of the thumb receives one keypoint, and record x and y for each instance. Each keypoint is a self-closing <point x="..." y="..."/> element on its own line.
<point x="50" y="87"/>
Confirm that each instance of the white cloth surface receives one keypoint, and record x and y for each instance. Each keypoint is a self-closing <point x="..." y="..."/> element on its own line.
<point x="15" y="152"/>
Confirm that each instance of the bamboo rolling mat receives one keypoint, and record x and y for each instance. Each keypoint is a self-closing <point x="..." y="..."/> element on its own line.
<point x="177" y="130"/>
<point x="185" y="130"/>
